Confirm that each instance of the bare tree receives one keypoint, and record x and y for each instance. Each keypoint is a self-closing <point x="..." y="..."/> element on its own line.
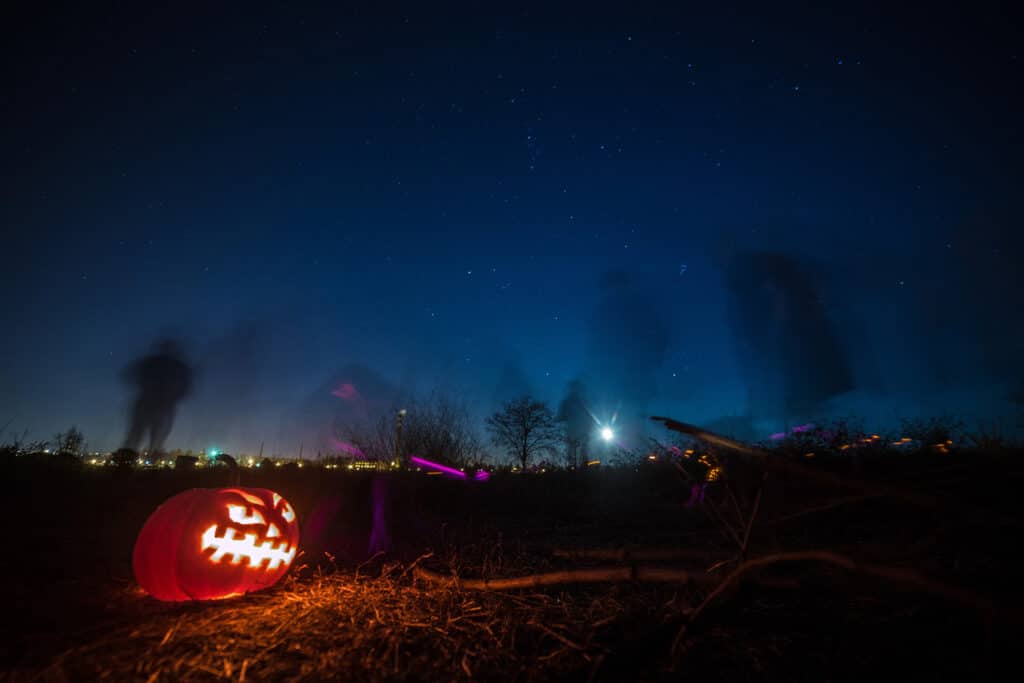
<point x="71" y="442"/>
<point x="440" y="429"/>
<point x="437" y="427"/>
<point x="374" y="440"/>
<point x="525" y="428"/>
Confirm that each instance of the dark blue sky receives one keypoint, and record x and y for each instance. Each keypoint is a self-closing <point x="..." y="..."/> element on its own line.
<point x="434" y="197"/>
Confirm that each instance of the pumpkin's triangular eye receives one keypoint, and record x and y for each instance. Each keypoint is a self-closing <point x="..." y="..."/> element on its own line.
<point x="239" y="515"/>
<point x="288" y="513"/>
<point x="286" y="510"/>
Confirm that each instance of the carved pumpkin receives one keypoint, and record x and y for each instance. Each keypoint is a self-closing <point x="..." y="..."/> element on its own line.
<point x="206" y="544"/>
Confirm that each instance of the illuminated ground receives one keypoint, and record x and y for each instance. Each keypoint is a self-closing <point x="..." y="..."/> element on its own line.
<point x="77" y="614"/>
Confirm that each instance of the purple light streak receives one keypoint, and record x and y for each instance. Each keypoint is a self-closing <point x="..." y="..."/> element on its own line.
<point x="799" y="429"/>
<point x="480" y="475"/>
<point x="438" y="467"/>
<point x="351" y="449"/>
<point x="346" y="392"/>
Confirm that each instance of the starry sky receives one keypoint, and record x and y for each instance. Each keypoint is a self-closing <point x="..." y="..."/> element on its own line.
<point x="487" y="203"/>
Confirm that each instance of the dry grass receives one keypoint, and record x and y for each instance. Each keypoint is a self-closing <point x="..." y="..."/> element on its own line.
<point x="604" y="577"/>
<point x="391" y="625"/>
<point x="347" y="627"/>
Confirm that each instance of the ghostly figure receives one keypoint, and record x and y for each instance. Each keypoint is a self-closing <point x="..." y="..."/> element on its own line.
<point x="380" y="539"/>
<point x="512" y="383"/>
<point x="348" y="402"/>
<point x="579" y="425"/>
<point x="162" y="379"/>
<point x="788" y="352"/>
<point x="628" y="339"/>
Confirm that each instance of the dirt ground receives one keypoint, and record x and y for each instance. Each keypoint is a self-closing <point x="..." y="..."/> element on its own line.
<point x="928" y="592"/>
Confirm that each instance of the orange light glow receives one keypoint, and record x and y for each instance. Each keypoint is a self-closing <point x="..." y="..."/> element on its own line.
<point x="240" y="549"/>
<point x="229" y="595"/>
<point x="255" y="500"/>
<point x="287" y="512"/>
<point x="237" y="514"/>
<point x="207" y="544"/>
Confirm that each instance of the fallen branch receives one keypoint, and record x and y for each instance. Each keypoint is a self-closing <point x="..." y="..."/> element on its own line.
<point x="630" y="554"/>
<point x="900" y="575"/>
<point x="774" y="461"/>
<point x="841" y="502"/>
<point x="651" y="573"/>
<point x="777" y="462"/>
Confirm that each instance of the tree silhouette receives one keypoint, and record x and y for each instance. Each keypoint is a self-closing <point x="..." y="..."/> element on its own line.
<point x="524" y="428"/>
<point x="71" y="442"/>
<point x="437" y="427"/>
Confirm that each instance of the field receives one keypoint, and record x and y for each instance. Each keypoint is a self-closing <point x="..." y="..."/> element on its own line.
<point x="916" y="575"/>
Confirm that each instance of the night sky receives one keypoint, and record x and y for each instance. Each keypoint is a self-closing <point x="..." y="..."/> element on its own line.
<point x="488" y="204"/>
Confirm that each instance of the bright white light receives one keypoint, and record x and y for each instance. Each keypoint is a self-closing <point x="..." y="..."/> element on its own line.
<point x="607" y="434"/>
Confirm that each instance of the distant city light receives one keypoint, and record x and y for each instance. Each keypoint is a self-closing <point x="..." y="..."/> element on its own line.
<point x="607" y="434"/>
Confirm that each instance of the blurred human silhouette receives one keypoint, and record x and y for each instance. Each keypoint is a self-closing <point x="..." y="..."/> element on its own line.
<point x="790" y="355"/>
<point x="579" y="425"/>
<point x="628" y="339"/>
<point x="162" y="379"/>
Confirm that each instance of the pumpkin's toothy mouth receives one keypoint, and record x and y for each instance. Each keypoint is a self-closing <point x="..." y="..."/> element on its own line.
<point x="246" y="547"/>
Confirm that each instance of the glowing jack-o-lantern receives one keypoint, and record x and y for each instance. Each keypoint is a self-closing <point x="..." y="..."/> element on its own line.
<point x="206" y="544"/>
